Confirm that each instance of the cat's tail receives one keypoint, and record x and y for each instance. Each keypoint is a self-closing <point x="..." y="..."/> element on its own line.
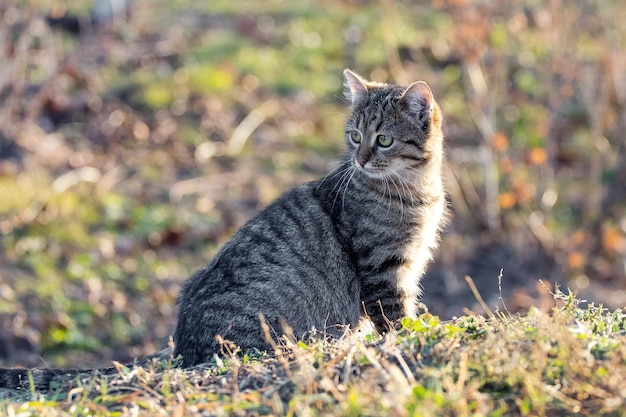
<point x="44" y="380"/>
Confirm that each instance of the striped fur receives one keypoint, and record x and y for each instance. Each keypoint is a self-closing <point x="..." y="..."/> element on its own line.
<point x="19" y="383"/>
<point x="325" y="254"/>
<point x="362" y="236"/>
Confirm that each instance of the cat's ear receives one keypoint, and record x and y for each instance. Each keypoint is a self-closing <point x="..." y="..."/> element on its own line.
<point x="355" y="88"/>
<point x="419" y="101"/>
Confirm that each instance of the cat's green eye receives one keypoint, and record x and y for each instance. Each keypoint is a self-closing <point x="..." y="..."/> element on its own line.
<point x="355" y="136"/>
<point x="384" y="140"/>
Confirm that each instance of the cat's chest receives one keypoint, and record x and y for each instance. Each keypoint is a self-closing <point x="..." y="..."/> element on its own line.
<point x="424" y="233"/>
<point x="417" y="249"/>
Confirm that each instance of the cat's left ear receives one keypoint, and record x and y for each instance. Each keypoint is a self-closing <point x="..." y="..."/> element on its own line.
<point x="419" y="101"/>
<point x="355" y="88"/>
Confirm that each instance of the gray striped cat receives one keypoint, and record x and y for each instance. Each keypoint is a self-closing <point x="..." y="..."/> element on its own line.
<point x="329" y="252"/>
<point x="325" y="254"/>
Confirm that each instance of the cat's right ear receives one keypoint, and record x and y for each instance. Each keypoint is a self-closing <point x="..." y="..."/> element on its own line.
<point x="419" y="101"/>
<point x="355" y="88"/>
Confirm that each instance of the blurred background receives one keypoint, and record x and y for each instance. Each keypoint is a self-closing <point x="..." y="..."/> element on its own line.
<point x="137" y="136"/>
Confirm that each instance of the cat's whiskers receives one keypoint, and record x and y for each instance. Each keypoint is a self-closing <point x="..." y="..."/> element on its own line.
<point x="337" y="188"/>
<point x="418" y="174"/>
<point x="346" y="177"/>
<point x="404" y="183"/>
<point x="343" y="197"/>
<point x="338" y="184"/>
<point x="389" y="178"/>
<point x="408" y="186"/>
<point x="335" y="171"/>
<point x="384" y="188"/>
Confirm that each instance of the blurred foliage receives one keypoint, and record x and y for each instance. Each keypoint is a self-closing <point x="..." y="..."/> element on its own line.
<point x="133" y="144"/>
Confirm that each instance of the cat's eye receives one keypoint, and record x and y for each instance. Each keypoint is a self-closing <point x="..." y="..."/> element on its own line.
<point x="384" y="141"/>
<point x="355" y="136"/>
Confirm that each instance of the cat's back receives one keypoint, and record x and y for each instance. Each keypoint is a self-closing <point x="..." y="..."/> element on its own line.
<point x="287" y="260"/>
<point x="295" y="232"/>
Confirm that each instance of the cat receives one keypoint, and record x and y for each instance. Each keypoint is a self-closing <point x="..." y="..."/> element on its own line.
<point x="329" y="253"/>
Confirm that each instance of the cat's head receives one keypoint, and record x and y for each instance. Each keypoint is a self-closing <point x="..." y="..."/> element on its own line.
<point x="391" y="130"/>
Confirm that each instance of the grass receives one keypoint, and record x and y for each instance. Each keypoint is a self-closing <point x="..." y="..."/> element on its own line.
<point x="571" y="361"/>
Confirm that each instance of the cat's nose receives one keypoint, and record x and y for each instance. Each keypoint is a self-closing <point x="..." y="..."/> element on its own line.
<point x="361" y="160"/>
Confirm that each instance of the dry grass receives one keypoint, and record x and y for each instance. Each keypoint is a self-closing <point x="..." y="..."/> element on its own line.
<point x="569" y="362"/>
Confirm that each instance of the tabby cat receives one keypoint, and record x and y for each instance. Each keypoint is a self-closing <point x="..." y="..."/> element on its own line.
<point x="330" y="252"/>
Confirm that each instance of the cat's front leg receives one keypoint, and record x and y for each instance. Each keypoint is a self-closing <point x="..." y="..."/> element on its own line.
<point x="386" y="310"/>
<point x="388" y="297"/>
